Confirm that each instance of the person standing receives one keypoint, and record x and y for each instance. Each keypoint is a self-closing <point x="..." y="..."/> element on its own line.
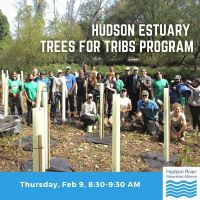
<point x="15" y="87"/>
<point x="119" y="83"/>
<point x="57" y="93"/>
<point x="144" y="83"/>
<point x="81" y="93"/>
<point x="175" y="97"/>
<point x="45" y="81"/>
<point x="51" y="79"/>
<point x="30" y="91"/>
<point x="71" y="85"/>
<point x="158" y="86"/>
<point x="126" y="74"/>
<point x="110" y="89"/>
<point x="194" y="103"/>
<point x="132" y="90"/>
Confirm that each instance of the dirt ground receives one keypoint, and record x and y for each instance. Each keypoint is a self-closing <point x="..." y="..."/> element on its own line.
<point x="89" y="157"/>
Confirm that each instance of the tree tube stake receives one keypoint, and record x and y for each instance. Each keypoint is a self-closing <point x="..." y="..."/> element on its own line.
<point x="116" y="134"/>
<point x="166" y="124"/>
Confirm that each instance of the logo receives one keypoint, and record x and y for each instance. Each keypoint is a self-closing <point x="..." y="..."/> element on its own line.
<point x="181" y="183"/>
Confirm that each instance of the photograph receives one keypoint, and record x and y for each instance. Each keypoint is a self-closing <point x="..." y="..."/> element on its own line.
<point x="100" y="86"/>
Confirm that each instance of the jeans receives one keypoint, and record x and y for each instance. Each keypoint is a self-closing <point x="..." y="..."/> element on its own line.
<point x="80" y="101"/>
<point x="29" y="114"/>
<point x="88" y="120"/>
<point x="57" y="98"/>
<point x="70" y="100"/>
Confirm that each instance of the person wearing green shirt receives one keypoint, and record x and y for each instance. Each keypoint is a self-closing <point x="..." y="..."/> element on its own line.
<point x="158" y="86"/>
<point x="30" y="91"/>
<point x="15" y="87"/>
<point x="157" y="90"/>
<point x="119" y="83"/>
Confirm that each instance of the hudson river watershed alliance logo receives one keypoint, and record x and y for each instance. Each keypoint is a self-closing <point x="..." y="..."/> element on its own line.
<point x="181" y="183"/>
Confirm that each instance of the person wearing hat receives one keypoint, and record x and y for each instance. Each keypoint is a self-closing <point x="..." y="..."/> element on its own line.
<point x="45" y="81"/>
<point x="148" y="111"/>
<point x="71" y="85"/>
<point x="126" y="74"/>
<point x="175" y="97"/>
<point x="88" y="113"/>
<point x="125" y="106"/>
<point x="194" y="103"/>
<point x="132" y="90"/>
<point x="57" y="93"/>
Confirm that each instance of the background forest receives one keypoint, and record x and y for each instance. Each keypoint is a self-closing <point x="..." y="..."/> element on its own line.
<point x="23" y="49"/>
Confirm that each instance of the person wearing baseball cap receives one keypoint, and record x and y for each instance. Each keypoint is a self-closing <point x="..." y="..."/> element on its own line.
<point x="148" y="111"/>
<point x="45" y="81"/>
<point x="175" y="97"/>
<point x="88" y="113"/>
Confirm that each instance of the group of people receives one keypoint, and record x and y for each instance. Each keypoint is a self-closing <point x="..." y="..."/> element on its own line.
<point x="141" y="96"/>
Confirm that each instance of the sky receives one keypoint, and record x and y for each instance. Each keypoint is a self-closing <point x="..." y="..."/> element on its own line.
<point x="8" y="7"/>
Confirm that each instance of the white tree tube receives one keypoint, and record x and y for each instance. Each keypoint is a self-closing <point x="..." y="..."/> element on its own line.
<point x="18" y="77"/>
<point x="101" y="123"/>
<point x="116" y="134"/>
<point x="38" y="141"/>
<point x="46" y="134"/>
<point x="3" y="88"/>
<point x="39" y="94"/>
<point x="6" y="91"/>
<point x="22" y="77"/>
<point x="7" y="75"/>
<point x="63" y="99"/>
<point x="166" y="124"/>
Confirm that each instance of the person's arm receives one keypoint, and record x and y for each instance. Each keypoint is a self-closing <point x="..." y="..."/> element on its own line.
<point x="194" y="89"/>
<point x="147" y="84"/>
<point x="94" y="108"/>
<point x="73" y="84"/>
<point x="152" y="91"/>
<point x="87" y="112"/>
<point x="20" y="88"/>
<point x="183" y="127"/>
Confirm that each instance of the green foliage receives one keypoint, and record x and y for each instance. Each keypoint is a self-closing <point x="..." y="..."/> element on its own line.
<point x="4" y="27"/>
<point x="32" y="27"/>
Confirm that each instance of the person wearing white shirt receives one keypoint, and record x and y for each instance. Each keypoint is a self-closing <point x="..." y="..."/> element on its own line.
<point x="88" y="113"/>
